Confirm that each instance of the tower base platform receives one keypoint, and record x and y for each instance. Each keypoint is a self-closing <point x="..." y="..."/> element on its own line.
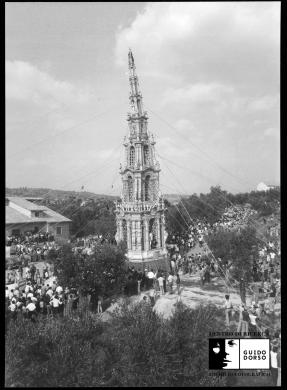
<point x="156" y="263"/>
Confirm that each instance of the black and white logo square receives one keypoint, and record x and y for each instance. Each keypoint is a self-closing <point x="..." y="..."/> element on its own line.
<point x="223" y="354"/>
<point x="255" y="354"/>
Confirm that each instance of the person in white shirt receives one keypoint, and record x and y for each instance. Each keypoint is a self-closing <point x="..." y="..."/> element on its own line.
<point x="170" y="282"/>
<point x="49" y="292"/>
<point x="28" y="288"/>
<point x="253" y="324"/>
<point x="12" y="307"/>
<point x="55" y="302"/>
<point x="160" y="282"/>
<point x="28" y="274"/>
<point x="30" y="306"/>
<point x="172" y="264"/>
<point x="59" y="290"/>
<point x="11" y="294"/>
<point x="19" y="305"/>
<point x="228" y="309"/>
<point x="274" y="364"/>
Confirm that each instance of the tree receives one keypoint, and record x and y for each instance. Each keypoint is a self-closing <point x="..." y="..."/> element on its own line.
<point x="158" y="352"/>
<point x="135" y="348"/>
<point x="239" y="248"/>
<point x="103" y="271"/>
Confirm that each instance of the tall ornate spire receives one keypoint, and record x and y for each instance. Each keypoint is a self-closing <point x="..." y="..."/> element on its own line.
<point x="135" y="95"/>
<point x="140" y="213"/>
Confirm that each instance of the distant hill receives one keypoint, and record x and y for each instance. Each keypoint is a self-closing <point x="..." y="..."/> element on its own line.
<point x="174" y="198"/>
<point x="47" y="193"/>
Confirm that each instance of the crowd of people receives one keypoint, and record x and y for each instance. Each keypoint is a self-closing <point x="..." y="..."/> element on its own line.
<point x="86" y="245"/>
<point x="23" y="249"/>
<point x="236" y="216"/>
<point x="29" y="238"/>
<point x="188" y="256"/>
<point x="30" y="247"/>
<point x="43" y="295"/>
<point x="30" y="272"/>
<point x="159" y="281"/>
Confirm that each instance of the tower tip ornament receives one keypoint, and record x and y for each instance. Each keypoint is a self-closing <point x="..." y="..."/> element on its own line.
<point x="131" y="60"/>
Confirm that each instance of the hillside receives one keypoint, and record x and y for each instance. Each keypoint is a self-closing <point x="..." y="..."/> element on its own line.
<point x="174" y="198"/>
<point x="48" y="193"/>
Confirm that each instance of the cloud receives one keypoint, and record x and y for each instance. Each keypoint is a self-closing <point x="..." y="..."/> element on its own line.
<point x="227" y="40"/>
<point x="272" y="132"/>
<point x="25" y="82"/>
<point x="167" y="147"/>
<point x="108" y="153"/>
<point x="60" y="105"/>
<point x="264" y="103"/>
<point x="197" y="93"/>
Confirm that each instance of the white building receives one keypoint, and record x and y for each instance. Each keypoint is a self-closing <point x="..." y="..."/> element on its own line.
<point x="25" y="216"/>
<point x="265" y="187"/>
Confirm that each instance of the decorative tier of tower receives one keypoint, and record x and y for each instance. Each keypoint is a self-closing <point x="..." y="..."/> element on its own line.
<point x="140" y="213"/>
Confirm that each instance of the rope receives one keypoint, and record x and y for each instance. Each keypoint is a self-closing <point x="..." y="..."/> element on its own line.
<point x="99" y="169"/>
<point x="215" y="209"/>
<point x="226" y="278"/>
<point x="63" y="131"/>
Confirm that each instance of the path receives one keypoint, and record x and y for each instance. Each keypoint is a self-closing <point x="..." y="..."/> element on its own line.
<point x="192" y="295"/>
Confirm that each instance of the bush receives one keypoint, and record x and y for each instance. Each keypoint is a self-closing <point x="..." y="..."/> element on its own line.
<point x="240" y="248"/>
<point x="103" y="271"/>
<point x="136" y="348"/>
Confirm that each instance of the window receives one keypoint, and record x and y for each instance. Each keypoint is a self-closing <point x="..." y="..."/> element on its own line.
<point x="130" y="189"/>
<point x="132" y="156"/>
<point x="147" y="188"/>
<point x="37" y="214"/>
<point x="125" y="231"/>
<point x="146" y="154"/>
<point x="59" y="230"/>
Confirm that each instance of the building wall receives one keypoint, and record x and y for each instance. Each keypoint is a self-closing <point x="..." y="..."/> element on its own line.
<point x="25" y="227"/>
<point x="43" y="227"/>
<point x="65" y="230"/>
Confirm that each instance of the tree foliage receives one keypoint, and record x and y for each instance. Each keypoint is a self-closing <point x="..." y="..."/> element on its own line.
<point x="103" y="271"/>
<point x="210" y="207"/>
<point x="239" y="248"/>
<point x="91" y="217"/>
<point x="137" y="347"/>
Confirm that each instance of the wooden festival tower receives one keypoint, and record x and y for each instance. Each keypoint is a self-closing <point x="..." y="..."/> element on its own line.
<point x="140" y="212"/>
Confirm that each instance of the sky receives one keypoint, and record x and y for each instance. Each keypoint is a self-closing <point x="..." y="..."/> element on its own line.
<point x="209" y="74"/>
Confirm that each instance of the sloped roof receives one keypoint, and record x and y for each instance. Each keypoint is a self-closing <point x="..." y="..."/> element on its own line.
<point x="22" y="202"/>
<point x="14" y="217"/>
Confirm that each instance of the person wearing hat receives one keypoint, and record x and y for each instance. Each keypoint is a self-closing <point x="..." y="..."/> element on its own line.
<point x="243" y="319"/>
<point x="31" y="310"/>
<point x="242" y="290"/>
<point x="170" y="282"/>
<point x="252" y="317"/>
<point x="228" y="309"/>
<point x="274" y="364"/>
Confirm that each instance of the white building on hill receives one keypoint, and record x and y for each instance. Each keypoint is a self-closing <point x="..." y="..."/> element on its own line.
<point x="265" y="187"/>
<point x="25" y="216"/>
